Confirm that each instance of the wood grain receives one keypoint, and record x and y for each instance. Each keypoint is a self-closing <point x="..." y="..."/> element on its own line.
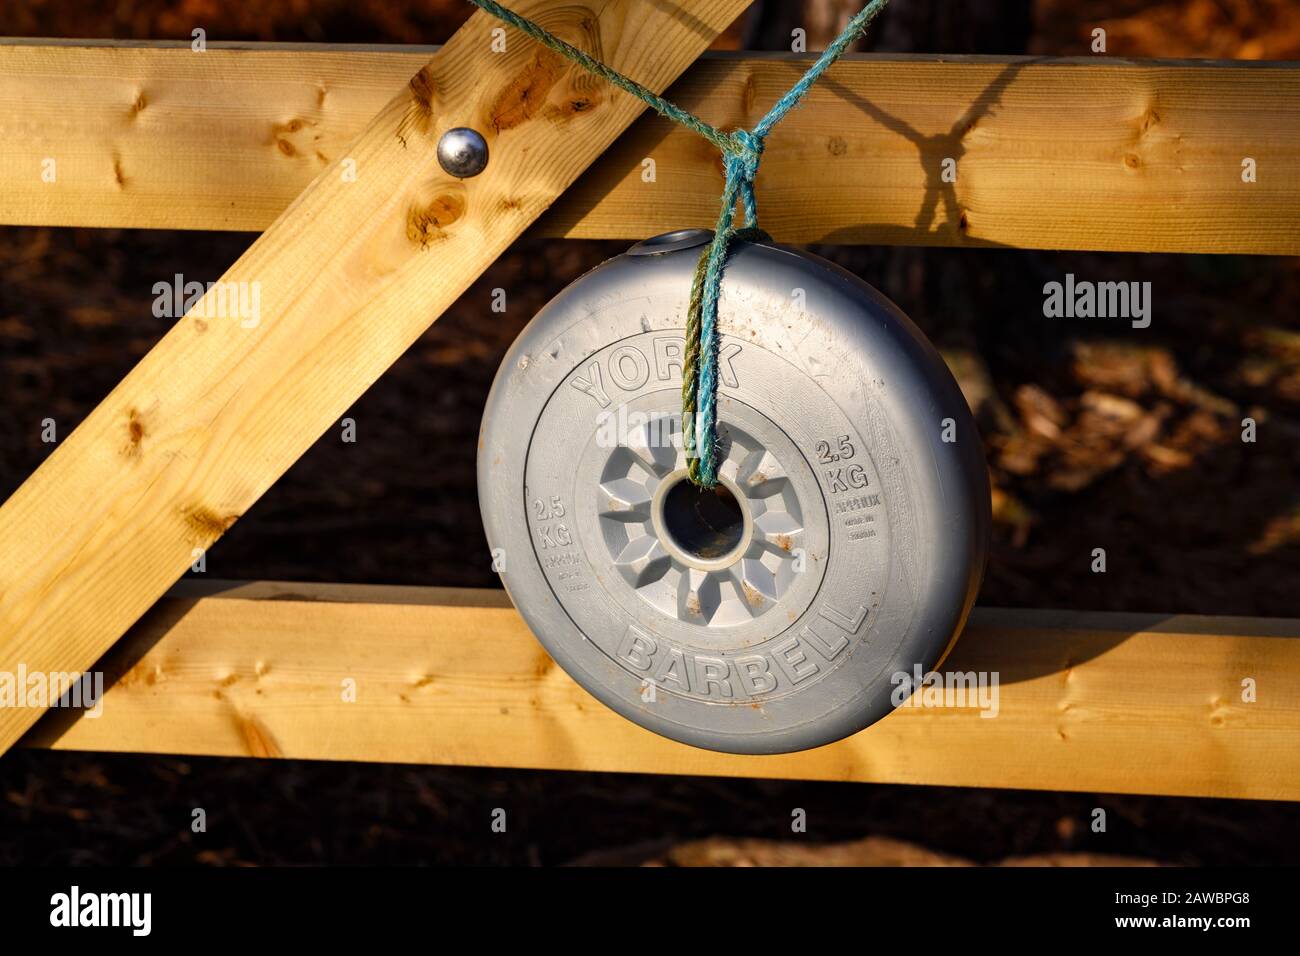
<point x="1091" y="702"/>
<point x="1080" y="154"/>
<point x="348" y="277"/>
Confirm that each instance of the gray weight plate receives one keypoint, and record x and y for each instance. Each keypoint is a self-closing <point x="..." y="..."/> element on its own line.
<point x="844" y="546"/>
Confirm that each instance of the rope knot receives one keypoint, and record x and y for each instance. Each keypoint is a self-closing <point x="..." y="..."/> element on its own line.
<point x="748" y="152"/>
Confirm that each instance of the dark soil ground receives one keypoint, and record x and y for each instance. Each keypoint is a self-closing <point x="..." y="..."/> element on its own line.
<point x="1098" y="435"/>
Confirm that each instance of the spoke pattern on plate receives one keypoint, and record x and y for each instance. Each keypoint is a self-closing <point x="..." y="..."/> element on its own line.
<point x="729" y="596"/>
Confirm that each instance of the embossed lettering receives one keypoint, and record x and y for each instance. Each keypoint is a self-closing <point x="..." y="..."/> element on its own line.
<point x="790" y="657"/>
<point x="755" y="674"/>
<point x="710" y="673"/>
<point x="595" y="387"/>
<point x="668" y="356"/>
<point x="628" y="368"/>
<point x="725" y="368"/>
<point x="638" y="648"/>
<point x="842" y="479"/>
<point x="831" y="647"/>
<point x="672" y="667"/>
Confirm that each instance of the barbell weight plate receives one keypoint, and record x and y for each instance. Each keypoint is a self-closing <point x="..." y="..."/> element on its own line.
<point x="843" y="547"/>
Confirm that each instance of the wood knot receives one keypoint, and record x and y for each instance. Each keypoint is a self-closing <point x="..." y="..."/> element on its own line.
<point x="135" y="433"/>
<point x="581" y="103"/>
<point x="427" y="223"/>
<point x="205" y="525"/>
<point x="749" y="94"/>
<point x="258" y="740"/>
<point x="419" y="112"/>
<point x="524" y="96"/>
<point x="281" y="131"/>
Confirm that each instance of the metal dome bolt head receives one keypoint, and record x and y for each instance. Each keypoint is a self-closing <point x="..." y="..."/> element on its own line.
<point x="462" y="152"/>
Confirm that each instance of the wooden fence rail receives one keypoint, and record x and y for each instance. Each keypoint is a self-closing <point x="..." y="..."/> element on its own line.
<point x="1095" y="702"/>
<point x="1096" y="154"/>
<point x="1079" y="154"/>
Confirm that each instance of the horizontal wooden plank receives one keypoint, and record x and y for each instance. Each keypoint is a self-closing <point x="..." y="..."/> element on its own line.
<point x="1082" y="154"/>
<point x="1094" y="702"/>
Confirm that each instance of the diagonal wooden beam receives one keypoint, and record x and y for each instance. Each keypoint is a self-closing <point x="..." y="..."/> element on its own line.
<point x="345" y="280"/>
<point x="1101" y="153"/>
<point x="1120" y="703"/>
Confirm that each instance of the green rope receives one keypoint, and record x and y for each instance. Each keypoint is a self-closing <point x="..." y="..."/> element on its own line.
<point x="741" y="150"/>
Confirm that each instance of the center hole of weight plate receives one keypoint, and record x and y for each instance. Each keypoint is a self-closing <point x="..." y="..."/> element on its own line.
<point x="706" y="524"/>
